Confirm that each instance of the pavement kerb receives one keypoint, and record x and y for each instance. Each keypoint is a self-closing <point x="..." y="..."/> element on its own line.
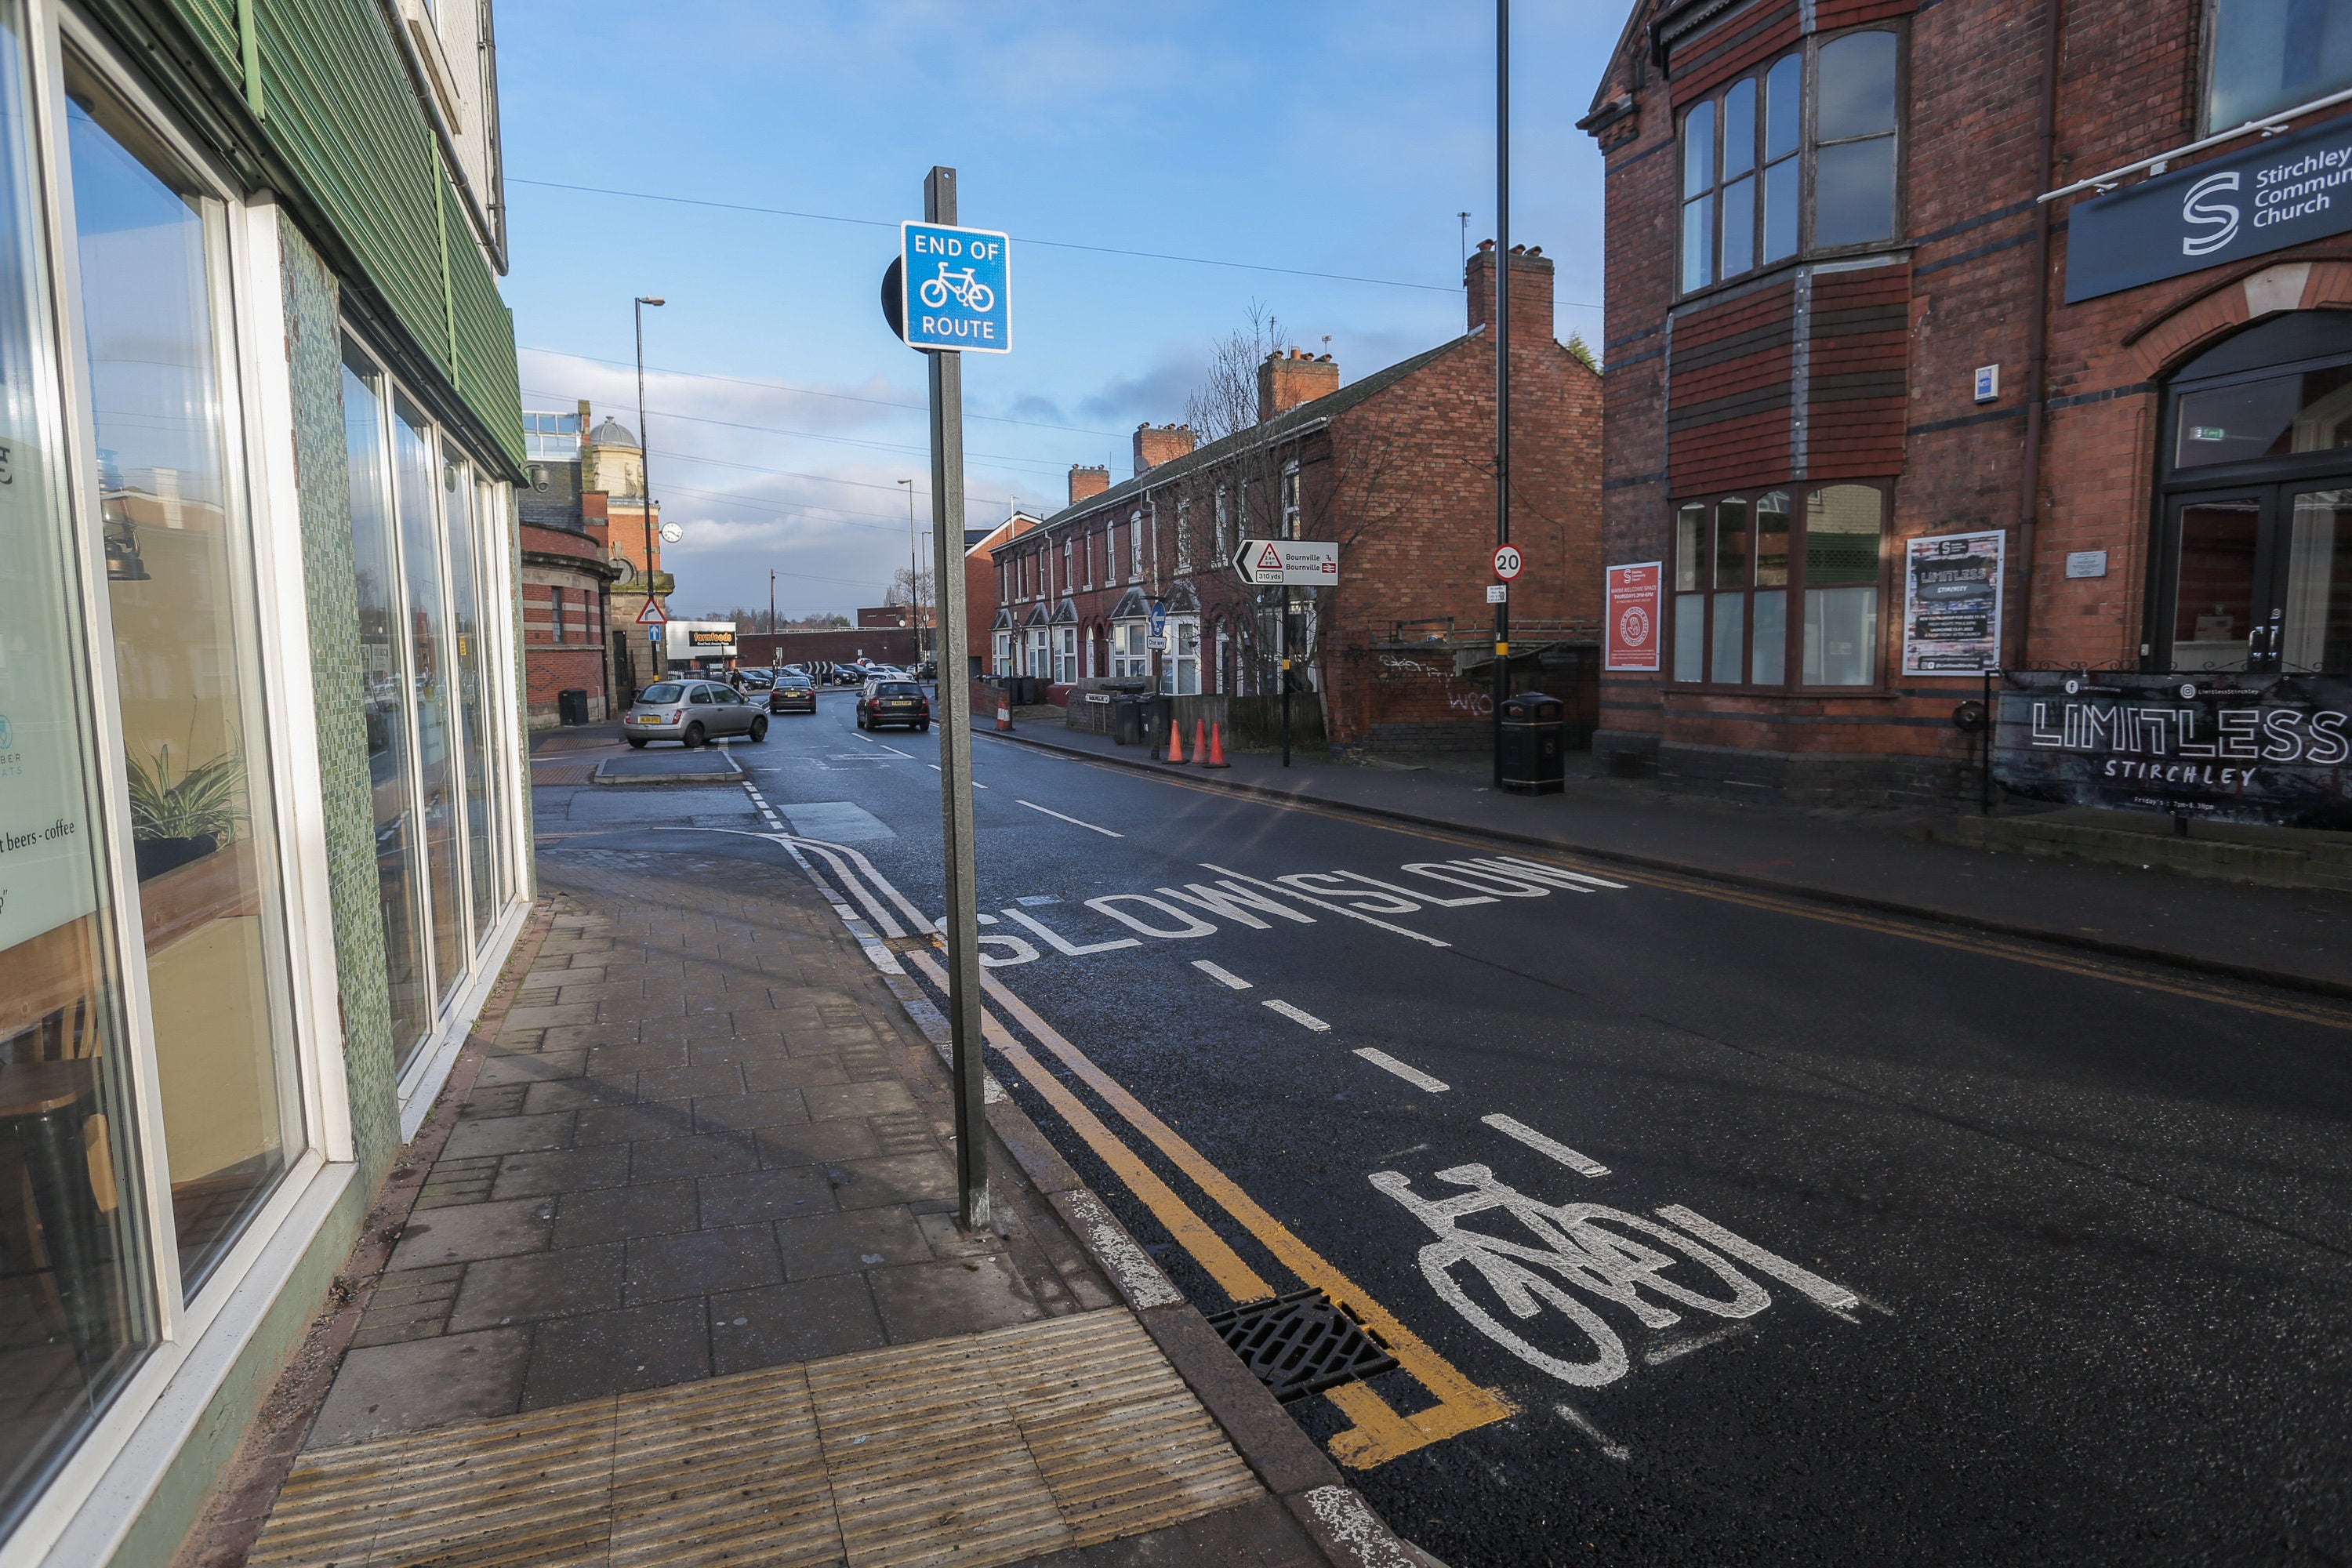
<point x="225" y="1533"/>
<point x="2176" y="958"/>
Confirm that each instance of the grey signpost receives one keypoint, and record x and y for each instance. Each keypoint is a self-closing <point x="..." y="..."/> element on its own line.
<point x="955" y="709"/>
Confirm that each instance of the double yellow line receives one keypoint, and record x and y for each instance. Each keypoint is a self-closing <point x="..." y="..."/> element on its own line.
<point x="1377" y="1431"/>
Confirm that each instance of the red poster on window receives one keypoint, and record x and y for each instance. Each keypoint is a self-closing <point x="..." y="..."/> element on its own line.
<point x="1631" y="638"/>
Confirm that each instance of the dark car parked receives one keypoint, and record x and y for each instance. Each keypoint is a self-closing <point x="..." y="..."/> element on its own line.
<point x="893" y="702"/>
<point x="792" y="694"/>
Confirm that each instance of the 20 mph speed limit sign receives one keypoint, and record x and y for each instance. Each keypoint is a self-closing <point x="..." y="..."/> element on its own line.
<point x="1507" y="562"/>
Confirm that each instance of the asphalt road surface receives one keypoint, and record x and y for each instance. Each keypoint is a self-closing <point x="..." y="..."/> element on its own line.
<point x="1707" y="1226"/>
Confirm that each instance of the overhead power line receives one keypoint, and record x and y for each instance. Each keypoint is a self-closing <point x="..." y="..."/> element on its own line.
<point x="1044" y="466"/>
<point x="1053" y="244"/>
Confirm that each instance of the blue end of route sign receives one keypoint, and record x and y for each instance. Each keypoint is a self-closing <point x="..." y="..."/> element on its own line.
<point x="957" y="286"/>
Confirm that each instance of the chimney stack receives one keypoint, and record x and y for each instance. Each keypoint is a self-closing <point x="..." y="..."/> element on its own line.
<point x="1287" y="379"/>
<point x="1088" y="482"/>
<point x="1531" y="306"/>
<point x="1158" y="443"/>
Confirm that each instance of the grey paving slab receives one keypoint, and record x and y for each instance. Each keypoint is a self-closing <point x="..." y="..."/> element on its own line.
<point x="799" y="1320"/>
<point x="926" y="1300"/>
<point x="701" y="1263"/>
<point x="547" y="1172"/>
<point x="501" y="1290"/>
<point x="892" y="1179"/>
<point x="743" y="1197"/>
<point x="846" y="1243"/>
<point x="707" y="1154"/>
<point x="474" y="1231"/>
<point x="744" y="1112"/>
<point x="612" y="1353"/>
<point x="826" y="1101"/>
<point x="817" y="1143"/>
<point x="539" y="1068"/>
<point x="617" y="1213"/>
<point x="385" y="1389"/>
<point x="509" y="1135"/>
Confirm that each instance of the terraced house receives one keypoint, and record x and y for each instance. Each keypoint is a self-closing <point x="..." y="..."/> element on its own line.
<point x="262" y="837"/>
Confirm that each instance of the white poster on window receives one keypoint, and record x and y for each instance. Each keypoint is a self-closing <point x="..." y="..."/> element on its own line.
<point x="45" y="841"/>
<point x="1951" y="603"/>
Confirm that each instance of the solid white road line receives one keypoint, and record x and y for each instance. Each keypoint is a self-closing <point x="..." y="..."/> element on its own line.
<point x="896" y="752"/>
<point x="1836" y="1298"/>
<point x="915" y="920"/>
<point x="1583" y="1164"/>
<point x="1072" y="821"/>
<point x="1300" y="1015"/>
<point x="1413" y="1076"/>
<point x="1222" y="976"/>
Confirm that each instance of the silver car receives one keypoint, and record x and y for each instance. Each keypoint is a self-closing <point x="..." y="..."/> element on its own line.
<point x="691" y="712"/>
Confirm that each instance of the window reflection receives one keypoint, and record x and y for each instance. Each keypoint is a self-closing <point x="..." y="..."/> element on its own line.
<point x="465" y="604"/>
<point x="2275" y="417"/>
<point x="1842" y="540"/>
<point x="383" y="678"/>
<point x="2318" y="609"/>
<point x="414" y="484"/>
<point x="148" y="244"/>
<point x="75" y="1299"/>
<point x="2270" y="55"/>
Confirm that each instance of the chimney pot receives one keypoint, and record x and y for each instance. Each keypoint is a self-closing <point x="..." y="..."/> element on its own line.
<point x="1531" y="293"/>
<point x="1287" y="379"/>
<point x="1087" y="480"/>
<point x="1158" y="443"/>
<point x="1486" y="244"/>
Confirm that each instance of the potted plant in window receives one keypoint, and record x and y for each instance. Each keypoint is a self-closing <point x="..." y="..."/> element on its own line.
<point x="173" y="823"/>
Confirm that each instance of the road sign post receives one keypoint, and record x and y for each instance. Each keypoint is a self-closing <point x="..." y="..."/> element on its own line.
<point x="1286" y="563"/>
<point x="960" y="305"/>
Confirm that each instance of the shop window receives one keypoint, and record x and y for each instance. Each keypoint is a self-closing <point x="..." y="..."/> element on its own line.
<point x="473" y="686"/>
<point x="75" y="1299"/>
<point x="150" y="246"/>
<point x="1737" y="560"/>
<point x="2267" y="55"/>
<point x="414" y="484"/>
<point x="1750" y="165"/>
<point x="384" y="666"/>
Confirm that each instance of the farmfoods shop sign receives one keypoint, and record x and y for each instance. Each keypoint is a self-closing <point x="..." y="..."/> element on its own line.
<point x="2273" y="749"/>
<point x="2263" y="198"/>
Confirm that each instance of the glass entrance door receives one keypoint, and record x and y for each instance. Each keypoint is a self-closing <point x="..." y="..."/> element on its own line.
<point x="2259" y="580"/>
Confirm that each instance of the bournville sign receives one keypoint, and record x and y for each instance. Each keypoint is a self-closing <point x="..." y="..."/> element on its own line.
<point x="2265" y="196"/>
<point x="2273" y="749"/>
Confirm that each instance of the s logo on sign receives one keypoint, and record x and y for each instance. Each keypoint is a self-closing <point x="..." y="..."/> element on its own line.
<point x="2219" y="218"/>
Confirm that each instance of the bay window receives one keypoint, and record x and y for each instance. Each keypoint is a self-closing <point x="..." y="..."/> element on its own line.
<point x="1796" y="157"/>
<point x="1738" y="562"/>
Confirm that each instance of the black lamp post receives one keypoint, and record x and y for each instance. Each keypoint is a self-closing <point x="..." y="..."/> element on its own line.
<point x="645" y="462"/>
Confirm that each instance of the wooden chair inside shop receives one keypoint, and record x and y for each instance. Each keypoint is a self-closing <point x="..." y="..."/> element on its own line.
<point x="33" y="1046"/>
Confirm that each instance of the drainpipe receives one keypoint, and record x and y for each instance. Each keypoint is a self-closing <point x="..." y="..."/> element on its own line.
<point x="2037" y="328"/>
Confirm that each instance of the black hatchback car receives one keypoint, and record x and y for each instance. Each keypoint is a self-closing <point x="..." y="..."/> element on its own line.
<point x="792" y="694"/>
<point x="881" y="703"/>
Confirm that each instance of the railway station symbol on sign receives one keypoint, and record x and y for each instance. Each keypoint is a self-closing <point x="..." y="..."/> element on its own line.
<point x="1288" y="562"/>
<point x="954" y="288"/>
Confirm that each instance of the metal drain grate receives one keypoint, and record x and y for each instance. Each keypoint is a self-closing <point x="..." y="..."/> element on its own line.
<point x="1302" y="1343"/>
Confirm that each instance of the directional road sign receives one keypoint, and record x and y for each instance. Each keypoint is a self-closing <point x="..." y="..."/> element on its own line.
<point x="1288" y="562"/>
<point x="1159" y="617"/>
<point x="1509" y="563"/>
<point x="651" y="616"/>
<point x="955" y="288"/>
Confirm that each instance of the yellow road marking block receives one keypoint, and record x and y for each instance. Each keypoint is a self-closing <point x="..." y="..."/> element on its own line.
<point x="1380" y="1432"/>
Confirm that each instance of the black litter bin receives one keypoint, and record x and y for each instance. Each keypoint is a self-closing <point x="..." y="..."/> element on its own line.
<point x="571" y="707"/>
<point x="1532" y="737"/>
<point x="1127" y="721"/>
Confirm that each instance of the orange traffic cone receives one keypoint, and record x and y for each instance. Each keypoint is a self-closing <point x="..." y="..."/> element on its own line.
<point x="1175" y="739"/>
<point x="1199" y="751"/>
<point x="1216" y="757"/>
<point x="1003" y="715"/>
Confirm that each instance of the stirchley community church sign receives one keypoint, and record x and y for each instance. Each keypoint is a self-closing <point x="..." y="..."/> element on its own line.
<point x="2272" y="749"/>
<point x="2265" y="197"/>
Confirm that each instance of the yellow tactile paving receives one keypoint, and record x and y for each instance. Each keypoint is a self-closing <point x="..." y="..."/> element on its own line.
<point x="977" y="1451"/>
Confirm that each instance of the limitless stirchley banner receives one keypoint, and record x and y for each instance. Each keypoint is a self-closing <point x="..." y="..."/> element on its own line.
<point x="2232" y="748"/>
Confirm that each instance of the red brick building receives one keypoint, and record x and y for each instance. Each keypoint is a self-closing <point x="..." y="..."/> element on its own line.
<point x="1396" y="468"/>
<point x="1909" y="298"/>
<point x="567" y="575"/>
<point x="980" y="604"/>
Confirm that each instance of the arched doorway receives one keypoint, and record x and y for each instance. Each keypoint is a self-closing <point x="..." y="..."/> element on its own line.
<point x="2253" y="559"/>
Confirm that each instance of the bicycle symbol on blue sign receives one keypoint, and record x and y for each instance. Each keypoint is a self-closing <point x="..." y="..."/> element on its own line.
<point x="956" y="285"/>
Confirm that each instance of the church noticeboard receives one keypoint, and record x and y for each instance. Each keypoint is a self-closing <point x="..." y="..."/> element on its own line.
<point x="1951" y="603"/>
<point x="2271" y="749"/>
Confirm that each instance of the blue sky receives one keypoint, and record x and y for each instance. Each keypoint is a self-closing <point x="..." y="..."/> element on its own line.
<point x="1333" y="138"/>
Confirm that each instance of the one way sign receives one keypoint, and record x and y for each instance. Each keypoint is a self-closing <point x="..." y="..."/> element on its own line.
<point x="1288" y="562"/>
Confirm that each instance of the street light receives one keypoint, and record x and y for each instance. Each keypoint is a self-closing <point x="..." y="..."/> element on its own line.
<point x="914" y="615"/>
<point x="645" y="461"/>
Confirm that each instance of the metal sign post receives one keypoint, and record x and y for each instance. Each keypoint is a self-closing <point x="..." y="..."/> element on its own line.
<point x="1286" y="563"/>
<point x="1502" y="362"/>
<point x="955" y="751"/>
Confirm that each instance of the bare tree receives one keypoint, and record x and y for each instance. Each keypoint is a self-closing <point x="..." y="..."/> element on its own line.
<point x="909" y="587"/>
<point x="1226" y="399"/>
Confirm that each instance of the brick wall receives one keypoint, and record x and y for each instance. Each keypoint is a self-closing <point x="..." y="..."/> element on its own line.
<point x="1699" y="397"/>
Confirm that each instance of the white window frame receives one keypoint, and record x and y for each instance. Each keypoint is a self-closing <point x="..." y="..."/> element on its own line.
<point x="1135" y="545"/>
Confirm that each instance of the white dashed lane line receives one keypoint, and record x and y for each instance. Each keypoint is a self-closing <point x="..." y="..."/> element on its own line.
<point x="1301" y="1015"/>
<point x="1072" y="821"/>
<point x="1222" y="976"/>
<point x="1510" y="1127"/>
<point x="1413" y="1076"/>
<point x="936" y="768"/>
